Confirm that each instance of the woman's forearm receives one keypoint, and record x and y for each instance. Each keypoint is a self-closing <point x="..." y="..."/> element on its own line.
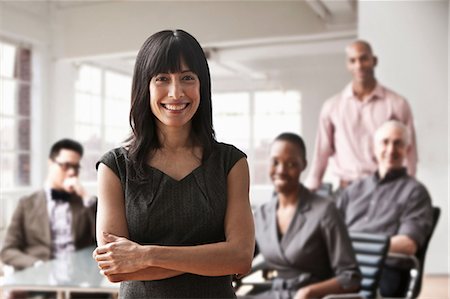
<point x="210" y="259"/>
<point x="150" y="273"/>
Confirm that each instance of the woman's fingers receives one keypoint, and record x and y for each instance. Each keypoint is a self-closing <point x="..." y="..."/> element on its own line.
<point x="103" y="257"/>
<point x="104" y="265"/>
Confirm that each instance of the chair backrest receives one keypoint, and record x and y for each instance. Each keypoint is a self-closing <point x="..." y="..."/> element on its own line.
<point x="421" y="253"/>
<point x="325" y="190"/>
<point x="371" y="251"/>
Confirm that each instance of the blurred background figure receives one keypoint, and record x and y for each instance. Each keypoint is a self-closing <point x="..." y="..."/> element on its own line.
<point x="390" y="202"/>
<point x="55" y="220"/>
<point x="300" y="234"/>
<point x="349" y="119"/>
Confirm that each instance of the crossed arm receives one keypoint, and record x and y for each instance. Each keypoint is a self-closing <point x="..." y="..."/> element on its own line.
<point x="121" y="259"/>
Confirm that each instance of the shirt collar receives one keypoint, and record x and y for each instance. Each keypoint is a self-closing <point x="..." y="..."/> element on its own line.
<point x="377" y="93"/>
<point x="304" y="196"/>
<point x="390" y="175"/>
<point x="48" y="193"/>
<point x="304" y="199"/>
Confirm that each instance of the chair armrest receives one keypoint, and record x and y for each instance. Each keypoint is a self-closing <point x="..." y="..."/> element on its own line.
<point x="258" y="263"/>
<point x="414" y="272"/>
<point x="402" y="256"/>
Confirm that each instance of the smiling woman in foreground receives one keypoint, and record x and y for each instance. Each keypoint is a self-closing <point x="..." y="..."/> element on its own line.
<point x="174" y="219"/>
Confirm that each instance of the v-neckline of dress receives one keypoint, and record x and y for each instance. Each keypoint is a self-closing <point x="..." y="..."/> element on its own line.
<point x="171" y="177"/>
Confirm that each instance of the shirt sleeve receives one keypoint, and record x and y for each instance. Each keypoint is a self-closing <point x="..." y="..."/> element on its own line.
<point x="116" y="161"/>
<point x="12" y="252"/>
<point x="340" y="249"/>
<point x="417" y="216"/>
<point x="110" y="160"/>
<point x="323" y="149"/>
<point x="233" y="154"/>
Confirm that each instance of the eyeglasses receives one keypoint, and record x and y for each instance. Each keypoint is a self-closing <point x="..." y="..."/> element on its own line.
<point x="67" y="165"/>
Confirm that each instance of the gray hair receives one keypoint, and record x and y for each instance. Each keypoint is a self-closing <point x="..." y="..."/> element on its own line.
<point x="393" y="124"/>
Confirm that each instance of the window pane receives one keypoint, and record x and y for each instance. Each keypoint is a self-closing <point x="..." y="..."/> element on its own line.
<point x="234" y="129"/>
<point x="231" y="115"/>
<point x="231" y="103"/>
<point x="8" y="165"/>
<point x="89" y="79"/>
<point x="117" y="86"/>
<point x="8" y="134"/>
<point x="8" y="89"/>
<point x="275" y="107"/>
<point x="88" y="171"/>
<point x="260" y="174"/>
<point x="277" y="102"/>
<point x="265" y="128"/>
<point x="88" y="109"/>
<point x="116" y="113"/>
<point x="114" y="137"/>
<point x="89" y="136"/>
<point x="7" y="58"/>
<point x="275" y="112"/>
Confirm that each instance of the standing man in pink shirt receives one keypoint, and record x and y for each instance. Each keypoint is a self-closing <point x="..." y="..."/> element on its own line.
<point x="349" y="119"/>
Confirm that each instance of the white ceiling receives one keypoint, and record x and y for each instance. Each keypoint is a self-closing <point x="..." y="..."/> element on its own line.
<point x="262" y="57"/>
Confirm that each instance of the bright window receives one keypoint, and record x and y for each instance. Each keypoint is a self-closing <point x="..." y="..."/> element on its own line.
<point x="251" y="120"/>
<point x="15" y="116"/>
<point x="102" y="104"/>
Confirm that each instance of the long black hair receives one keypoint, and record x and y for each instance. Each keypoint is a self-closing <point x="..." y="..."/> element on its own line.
<point x="163" y="52"/>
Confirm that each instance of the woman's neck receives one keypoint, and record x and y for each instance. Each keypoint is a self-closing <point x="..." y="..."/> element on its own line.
<point x="287" y="199"/>
<point x="174" y="139"/>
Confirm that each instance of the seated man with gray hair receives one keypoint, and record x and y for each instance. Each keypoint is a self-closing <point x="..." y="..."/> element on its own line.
<point x="390" y="202"/>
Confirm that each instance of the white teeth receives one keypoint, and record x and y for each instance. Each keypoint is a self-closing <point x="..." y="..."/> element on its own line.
<point x="175" y="107"/>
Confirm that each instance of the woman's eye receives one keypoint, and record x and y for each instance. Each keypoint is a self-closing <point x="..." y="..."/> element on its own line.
<point x="161" y="78"/>
<point x="188" y="77"/>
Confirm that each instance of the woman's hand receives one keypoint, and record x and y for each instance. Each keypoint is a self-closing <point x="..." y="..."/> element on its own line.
<point x="119" y="256"/>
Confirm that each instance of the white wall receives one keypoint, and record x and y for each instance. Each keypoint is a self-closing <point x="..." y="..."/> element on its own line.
<point x="411" y="42"/>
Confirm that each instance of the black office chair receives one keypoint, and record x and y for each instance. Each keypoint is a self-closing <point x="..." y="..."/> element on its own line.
<point x="371" y="251"/>
<point x="417" y="261"/>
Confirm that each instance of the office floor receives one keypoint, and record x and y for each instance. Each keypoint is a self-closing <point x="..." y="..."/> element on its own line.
<point x="434" y="287"/>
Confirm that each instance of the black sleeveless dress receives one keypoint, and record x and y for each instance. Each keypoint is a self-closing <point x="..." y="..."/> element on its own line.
<point x="163" y="211"/>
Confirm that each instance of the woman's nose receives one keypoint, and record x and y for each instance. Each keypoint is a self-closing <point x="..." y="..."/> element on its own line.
<point x="176" y="90"/>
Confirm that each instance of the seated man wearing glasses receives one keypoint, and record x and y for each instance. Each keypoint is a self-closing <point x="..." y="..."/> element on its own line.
<point x="53" y="221"/>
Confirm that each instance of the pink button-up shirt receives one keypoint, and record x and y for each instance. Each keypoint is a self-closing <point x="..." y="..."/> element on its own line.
<point x="346" y="129"/>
